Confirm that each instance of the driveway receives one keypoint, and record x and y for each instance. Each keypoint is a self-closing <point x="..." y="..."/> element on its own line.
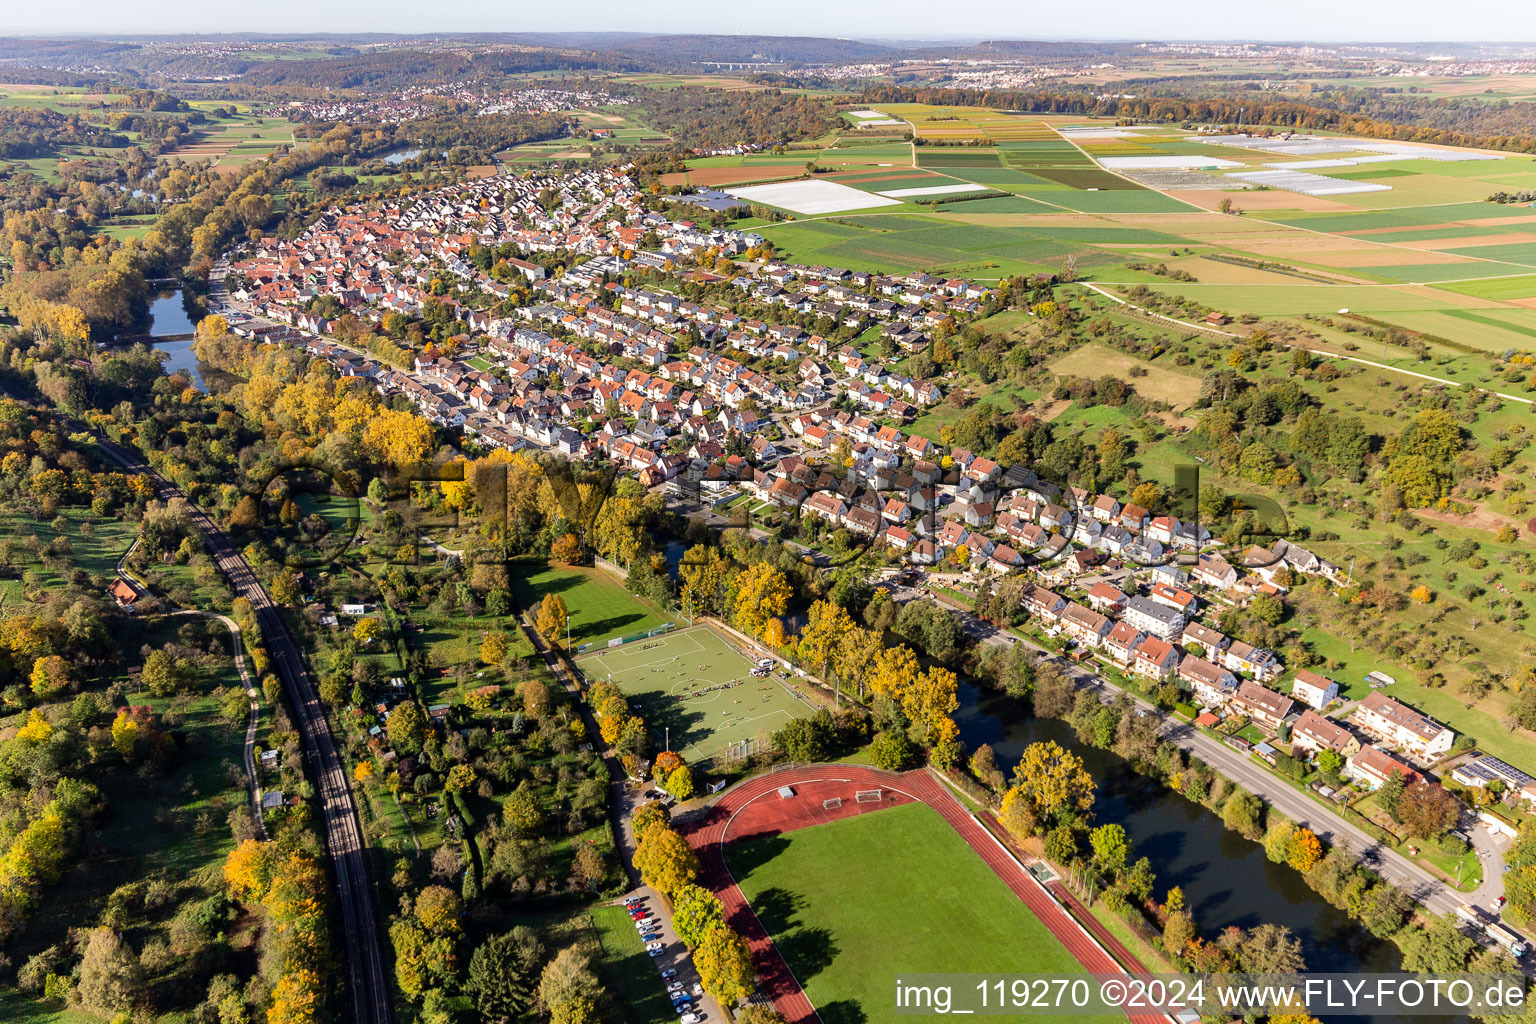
<point x="1491" y="849"/>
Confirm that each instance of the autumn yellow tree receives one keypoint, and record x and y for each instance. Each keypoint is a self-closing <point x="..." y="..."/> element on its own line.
<point x="665" y="860"/>
<point x="493" y="649"/>
<point x="827" y="623"/>
<point x="399" y="438"/>
<point x="1053" y="780"/>
<point x="930" y="701"/>
<point x="724" y="965"/>
<point x="762" y="593"/>
<point x="248" y="870"/>
<point x="552" y="619"/>
<point x="49" y="675"/>
<point x="367" y="631"/>
<point x="894" y="673"/>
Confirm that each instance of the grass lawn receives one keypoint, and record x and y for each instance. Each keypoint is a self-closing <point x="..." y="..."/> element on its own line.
<point x="856" y="902"/>
<point x="599" y="606"/>
<point x="632" y="974"/>
<point x="659" y="671"/>
<point x="16" y="1008"/>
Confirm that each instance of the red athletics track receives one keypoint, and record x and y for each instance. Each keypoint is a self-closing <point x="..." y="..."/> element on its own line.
<point x="754" y="809"/>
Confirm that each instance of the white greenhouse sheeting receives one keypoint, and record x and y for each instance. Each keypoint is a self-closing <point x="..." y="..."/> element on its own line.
<point x="1308" y="184"/>
<point x="934" y="190"/>
<point x="811" y="196"/>
<point x="1165" y="163"/>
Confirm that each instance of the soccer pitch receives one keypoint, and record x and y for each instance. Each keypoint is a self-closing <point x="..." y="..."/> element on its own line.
<point x="699" y="687"/>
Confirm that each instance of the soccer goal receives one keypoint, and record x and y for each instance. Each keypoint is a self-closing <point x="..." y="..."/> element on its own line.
<point x="867" y="796"/>
<point x="832" y="804"/>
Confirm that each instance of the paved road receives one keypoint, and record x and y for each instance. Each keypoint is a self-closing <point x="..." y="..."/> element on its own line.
<point x="250" y="725"/>
<point x="367" y="983"/>
<point x="1425" y="888"/>
<point x="623" y="797"/>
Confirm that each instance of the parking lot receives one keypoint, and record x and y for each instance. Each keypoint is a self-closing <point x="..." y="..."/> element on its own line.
<point x="673" y="957"/>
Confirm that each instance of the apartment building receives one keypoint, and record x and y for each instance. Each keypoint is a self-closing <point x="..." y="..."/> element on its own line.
<point x="1397" y="725"/>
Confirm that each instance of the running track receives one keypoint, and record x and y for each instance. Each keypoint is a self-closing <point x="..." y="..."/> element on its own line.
<point x="754" y="809"/>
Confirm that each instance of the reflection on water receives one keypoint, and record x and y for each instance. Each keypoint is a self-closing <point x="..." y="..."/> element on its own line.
<point x="168" y="317"/>
<point x="1226" y="879"/>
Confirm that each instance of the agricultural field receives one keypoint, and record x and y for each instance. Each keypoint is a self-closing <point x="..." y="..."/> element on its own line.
<point x="825" y="895"/>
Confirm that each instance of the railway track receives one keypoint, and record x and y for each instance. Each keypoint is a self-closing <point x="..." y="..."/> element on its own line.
<point x="367" y="982"/>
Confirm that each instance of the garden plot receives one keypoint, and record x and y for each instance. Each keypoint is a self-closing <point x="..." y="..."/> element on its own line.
<point x="811" y="197"/>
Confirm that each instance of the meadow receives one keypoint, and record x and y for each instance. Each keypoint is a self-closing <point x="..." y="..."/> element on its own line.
<point x="853" y="903"/>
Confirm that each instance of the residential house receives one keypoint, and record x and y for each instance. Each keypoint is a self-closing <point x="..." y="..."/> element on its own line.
<point x="1313" y="690"/>
<point x="1373" y="767"/>
<point x="1106" y="598"/>
<point x="1256" y="661"/>
<point x="1085" y="625"/>
<point x="1400" y="726"/>
<point x="1155" y="658"/>
<point x="1121" y="642"/>
<point x="1214" y="572"/>
<point x="1156" y="619"/>
<point x="1313" y="733"/>
<point x="1261" y="704"/>
<point x="1042" y="603"/>
<point x="1211" y="684"/>
<point x="1212" y="641"/>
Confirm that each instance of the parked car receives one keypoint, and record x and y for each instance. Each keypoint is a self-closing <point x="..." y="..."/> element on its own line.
<point x="683" y="1008"/>
<point x="653" y="945"/>
<point x="654" y="952"/>
<point x="689" y="1018"/>
<point x="670" y="972"/>
<point x="1499" y="902"/>
<point x="676" y="986"/>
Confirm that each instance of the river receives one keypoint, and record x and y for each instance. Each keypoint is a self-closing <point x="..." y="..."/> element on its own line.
<point x="167" y="318"/>
<point x="1226" y="879"/>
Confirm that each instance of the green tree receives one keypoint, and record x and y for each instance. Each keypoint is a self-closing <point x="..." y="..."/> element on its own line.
<point x="892" y="751"/>
<point x="569" y="989"/>
<point x="407" y="727"/>
<point x="1109" y="848"/>
<point x="695" y="910"/>
<point x="110" y="978"/>
<point x="503" y="974"/>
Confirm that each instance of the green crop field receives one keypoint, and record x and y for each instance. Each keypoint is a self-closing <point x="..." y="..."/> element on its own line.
<point x="854" y="903"/>
<point x="600" y="608"/>
<point x="697" y="689"/>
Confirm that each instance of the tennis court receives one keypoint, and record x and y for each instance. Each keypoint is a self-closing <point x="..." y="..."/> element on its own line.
<point x="696" y="684"/>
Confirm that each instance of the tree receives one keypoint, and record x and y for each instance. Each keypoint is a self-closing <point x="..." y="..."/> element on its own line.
<point x="438" y="908"/>
<point x="535" y="697"/>
<point x="1016" y="815"/>
<point x="892" y="751"/>
<point x="762" y="593"/>
<point x="285" y="588"/>
<point x="552" y="620"/>
<point x="522" y="810"/>
<point x="407" y="727"/>
<point x="680" y="782"/>
<point x="161" y="675"/>
<point x="50" y="675"/>
<point x="1438" y="948"/>
<point x="493" y="649"/>
<point x="566" y="550"/>
<point x="399" y="438"/>
<point x="665" y="860"/>
<point x="1391" y="794"/>
<point x="110" y="978"/>
<point x="759" y="1013"/>
<point x="725" y="965"/>
<point x="1272" y="949"/>
<point x="808" y="739"/>
<point x="460" y="777"/>
<point x="1109" y="848"/>
<point x="1243" y="813"/>
<point x="503" y="973"/>
<point x="1054" y="781"/>
<point x="1427" y="809"/>
<point x="695" y="911"/>
<point x="1303" y="849"/>
<point x="212" y="326"/>
<point x="1330" y="761"/>
<point x="368" y="631"/>
<point x="568" y="988"/>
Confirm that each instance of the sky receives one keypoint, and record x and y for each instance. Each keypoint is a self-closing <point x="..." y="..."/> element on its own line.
<point x="1318" y="20"/>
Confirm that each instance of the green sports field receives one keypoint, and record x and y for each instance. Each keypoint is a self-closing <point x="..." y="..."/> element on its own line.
<point x="856" y="902"/>
<point x="682" y="682"/>
<point x="599" y="606"/>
